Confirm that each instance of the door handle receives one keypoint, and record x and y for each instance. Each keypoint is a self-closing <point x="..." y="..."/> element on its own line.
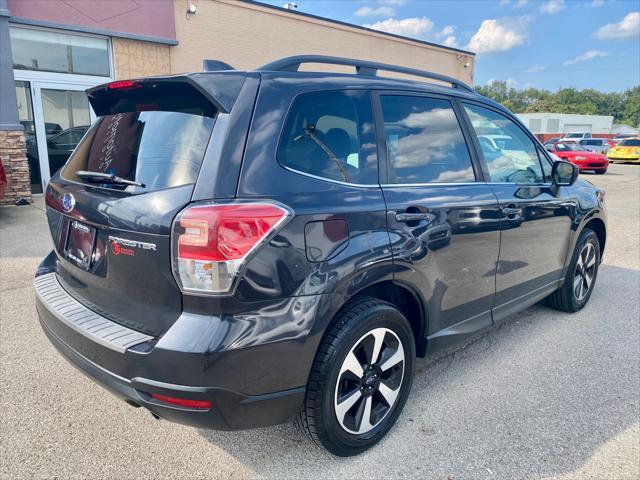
<point x="413" y="217"/>
<point x="511" y="211"/>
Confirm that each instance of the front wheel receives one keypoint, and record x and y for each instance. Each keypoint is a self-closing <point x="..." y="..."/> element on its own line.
<point x="581" y="275"/>
<point x="360" y="379"/>
<point x="600" y="172"/>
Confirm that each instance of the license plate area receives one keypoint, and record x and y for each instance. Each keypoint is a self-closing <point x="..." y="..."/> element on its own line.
<point x="80" y="242"/>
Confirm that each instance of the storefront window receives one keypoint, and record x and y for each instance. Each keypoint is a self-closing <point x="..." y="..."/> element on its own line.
<point x="59" y="52"/>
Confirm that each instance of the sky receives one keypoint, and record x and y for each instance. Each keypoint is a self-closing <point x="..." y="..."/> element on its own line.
<point x="549" y="44"/>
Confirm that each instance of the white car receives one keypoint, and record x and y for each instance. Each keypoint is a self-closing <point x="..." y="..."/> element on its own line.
<point x="575" y="136"/>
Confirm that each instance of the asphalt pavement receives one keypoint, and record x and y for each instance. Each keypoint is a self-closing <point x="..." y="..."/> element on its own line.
<point x="547" y="395"/>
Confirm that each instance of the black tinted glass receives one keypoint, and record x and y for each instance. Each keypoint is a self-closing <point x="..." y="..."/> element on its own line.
<point x="159" y="149"/>
<point x="424" y="141"/>
<point x="331" y="135"/>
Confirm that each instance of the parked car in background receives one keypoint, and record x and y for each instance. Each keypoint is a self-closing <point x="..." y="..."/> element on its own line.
<point x="623" y="136"/>
<point x="576" y="154"/>
<point x="575" y="136"/>
<point x="363" y="221"/>
<point x="628" y="150"/>
<point x="597" y="145"/>
<point x="3" y="180"/>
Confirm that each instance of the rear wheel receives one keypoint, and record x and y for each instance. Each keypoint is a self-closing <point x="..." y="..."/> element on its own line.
<point x="581" y="275"/>
<point x="360" y="379"/>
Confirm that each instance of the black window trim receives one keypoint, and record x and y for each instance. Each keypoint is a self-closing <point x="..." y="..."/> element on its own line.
<point x="539" y="146"/>
<point x="383" y="161"/>
<point x="283" y="124"/>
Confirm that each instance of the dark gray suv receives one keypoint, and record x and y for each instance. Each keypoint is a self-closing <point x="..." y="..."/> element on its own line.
<point x="238" y="249"/>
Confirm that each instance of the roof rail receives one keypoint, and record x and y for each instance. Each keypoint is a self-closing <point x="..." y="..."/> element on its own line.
<point x="363" y="67"/>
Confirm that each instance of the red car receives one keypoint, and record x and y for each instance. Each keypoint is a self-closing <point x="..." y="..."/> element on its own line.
<point x="584" y="159"/>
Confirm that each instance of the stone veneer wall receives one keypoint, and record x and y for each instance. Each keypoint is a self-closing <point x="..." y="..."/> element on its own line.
<point x="13" y="154"/>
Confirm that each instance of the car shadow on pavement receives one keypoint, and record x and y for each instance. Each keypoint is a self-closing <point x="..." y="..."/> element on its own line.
<point x="541" y="395"/>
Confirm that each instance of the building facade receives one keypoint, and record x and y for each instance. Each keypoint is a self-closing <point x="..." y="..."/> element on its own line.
<point x="53" y="50"/>
<point x="550" y="125"/>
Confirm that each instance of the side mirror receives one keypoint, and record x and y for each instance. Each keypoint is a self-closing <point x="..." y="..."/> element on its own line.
<point x="564" y="174"/>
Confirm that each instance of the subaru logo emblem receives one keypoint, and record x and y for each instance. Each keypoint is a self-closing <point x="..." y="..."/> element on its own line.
<point x="68" y="202"/>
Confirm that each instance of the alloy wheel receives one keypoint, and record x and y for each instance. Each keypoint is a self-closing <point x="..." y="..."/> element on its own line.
<point x="585" y="271"/>
<point x="369" y="381"/>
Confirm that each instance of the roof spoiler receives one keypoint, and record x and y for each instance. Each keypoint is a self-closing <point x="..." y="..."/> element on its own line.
<point x="221" y="89"/>
<point x="363" y="67"/>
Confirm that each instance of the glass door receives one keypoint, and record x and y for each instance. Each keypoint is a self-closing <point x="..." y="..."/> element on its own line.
<point x="62" y="115"/>
<point x="25" y="113"/>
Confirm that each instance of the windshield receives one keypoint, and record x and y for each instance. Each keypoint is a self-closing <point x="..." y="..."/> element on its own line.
<point x="159" y="149"/>
<point x="632" y="142"/>
<point x="567" y="147"/>
<point x="573" y="135"/>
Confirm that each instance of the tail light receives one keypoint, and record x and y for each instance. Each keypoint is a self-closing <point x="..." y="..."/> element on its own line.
<point x="183" y="402"/>
<point x="212" y="242"/>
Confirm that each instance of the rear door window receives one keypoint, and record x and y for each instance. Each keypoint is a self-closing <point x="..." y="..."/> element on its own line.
<point x="330" y="134"/>
<point x="424" y="141"/>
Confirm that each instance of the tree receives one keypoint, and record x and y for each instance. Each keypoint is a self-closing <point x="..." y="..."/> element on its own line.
<point x="624" y="107"/>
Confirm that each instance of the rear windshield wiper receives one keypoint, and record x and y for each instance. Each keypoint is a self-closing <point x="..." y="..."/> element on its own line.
<point x="101" y="177"/>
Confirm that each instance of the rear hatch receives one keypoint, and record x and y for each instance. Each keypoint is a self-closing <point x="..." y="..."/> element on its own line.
<point x="112" y="235"/>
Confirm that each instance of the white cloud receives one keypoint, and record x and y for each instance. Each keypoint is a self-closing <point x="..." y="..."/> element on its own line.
<point x="596" y="3"/>
<point x="628" y="27"/>
<point x="535" y="68"/>
<point x="392" y="2"/>
<point x="552" y="7"/>
<point x="521" y="3"/>
<point x="499" y="35"/>
<point x="376" y="12"/>
<point x="589" y="55"/>
<point x="408" y="27"/>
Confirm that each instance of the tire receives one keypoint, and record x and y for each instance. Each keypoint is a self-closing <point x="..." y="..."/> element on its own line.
<point x="600" y="172"/>
<point x="333" y="415"/>
<point x="576" y="290"/>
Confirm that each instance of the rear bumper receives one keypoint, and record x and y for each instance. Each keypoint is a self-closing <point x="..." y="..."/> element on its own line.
<point x="230" y="410"/>
<point x="252" y="368"/>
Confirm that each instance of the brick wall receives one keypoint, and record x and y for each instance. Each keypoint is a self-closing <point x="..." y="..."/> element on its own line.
<point x="248" y="35"/>
<point x="13" y="154"/>
<point x="135" y="59"/>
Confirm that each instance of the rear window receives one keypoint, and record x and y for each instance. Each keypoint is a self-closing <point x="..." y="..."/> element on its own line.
<point x="159" y="149"/>
<point x="630" y="143"/>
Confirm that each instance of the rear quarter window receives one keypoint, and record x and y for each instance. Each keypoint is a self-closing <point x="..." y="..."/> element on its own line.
<point x="330" y="134"/>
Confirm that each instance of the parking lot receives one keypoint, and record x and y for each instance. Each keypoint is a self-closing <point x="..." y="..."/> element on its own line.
<point x="547" y="395"/>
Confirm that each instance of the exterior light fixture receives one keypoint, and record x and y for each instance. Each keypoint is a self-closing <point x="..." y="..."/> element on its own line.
<point x="192" y="9"/>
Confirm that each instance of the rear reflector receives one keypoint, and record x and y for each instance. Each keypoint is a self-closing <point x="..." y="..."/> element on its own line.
<point x="183" y="402"/>
<point x="123" y="85"/>
<point x="211" y="242"/>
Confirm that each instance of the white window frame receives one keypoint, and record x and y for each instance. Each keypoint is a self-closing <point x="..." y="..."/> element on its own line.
<point x="39" y="79"/>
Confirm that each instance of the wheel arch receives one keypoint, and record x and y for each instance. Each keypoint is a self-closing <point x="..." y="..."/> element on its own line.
<point x="598" y="226"/>
<point x="403" y="297"/>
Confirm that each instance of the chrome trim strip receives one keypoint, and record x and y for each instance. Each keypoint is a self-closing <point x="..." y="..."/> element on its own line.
<point x="83" y="320"/>
<point x="310" y="175"/>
